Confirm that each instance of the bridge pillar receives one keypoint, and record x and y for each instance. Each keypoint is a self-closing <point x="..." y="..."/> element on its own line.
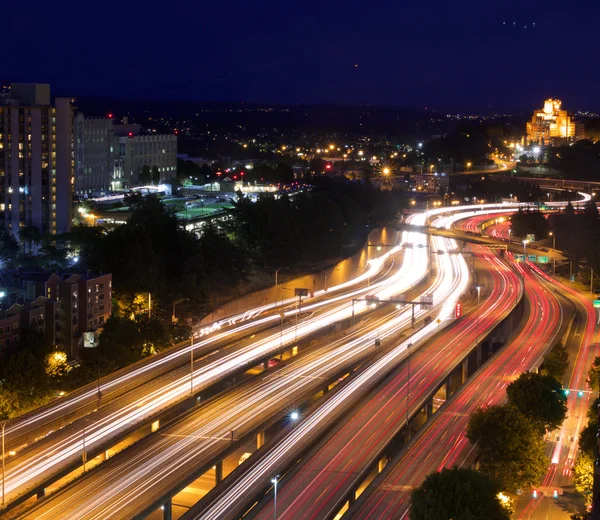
<point x="168" y="510"/>
<point x="260" y="439"/>
<point x="218" y="472"/>
<point x="465" y="371"/>
<point x="382" y="464"/>
<point x="429" y="410"/>
<point x="479" y="355"/>
<point x="41" y="493"/>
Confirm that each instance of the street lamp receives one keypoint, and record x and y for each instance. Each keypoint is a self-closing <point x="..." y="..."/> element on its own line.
<point x="176" y="302"/>
<point x="478" y="287"/>
<point x="191" y="333"/>
<point x="509" y="233"/>
<point x="3" y="425"/>
<point x="408" y="382"/>
<point x="553" y="239"/>
<point x="276" y="278"/>
<point x="274" y="481"/>
<point x="525" y="250"/>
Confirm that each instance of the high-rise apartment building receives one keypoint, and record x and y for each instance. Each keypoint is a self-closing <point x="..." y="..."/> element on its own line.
<point x="551" y="125"/>
<point x="36" y="160"/>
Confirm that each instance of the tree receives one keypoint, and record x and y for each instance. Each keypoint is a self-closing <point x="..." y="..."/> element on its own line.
<point x="145" y="175"/>
<point x="588" y="437"/>
<point x="556" y="362"/>
<point x="460" y="494"/>
<point x="31" y="237"/>
<point x="156" y="175"/>
<point x="9" y="247"/>
<point x="511" y="448"/>
<point x="583" y="476"/>
<point x="539" y="397"/>
<point x="593" y="378"/>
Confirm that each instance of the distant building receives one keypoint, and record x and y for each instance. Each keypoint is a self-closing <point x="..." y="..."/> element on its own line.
<point x="134" y="151"/>
<point x="36" y="160"/>
<point x="552" y="125"/>
<point x="62" y="308"/>
<point x="93" y="154"/>
<point x="111" y="156"/>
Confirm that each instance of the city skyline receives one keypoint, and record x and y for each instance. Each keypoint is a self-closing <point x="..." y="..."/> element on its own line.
<point x="412" y="56"/>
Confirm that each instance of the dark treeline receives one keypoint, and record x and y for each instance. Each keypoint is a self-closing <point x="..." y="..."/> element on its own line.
<point x="580" y="161"/>
<point x="577" y="232"/>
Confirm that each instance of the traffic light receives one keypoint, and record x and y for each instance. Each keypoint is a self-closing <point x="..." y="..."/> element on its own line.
<point x="555" y="493"/>
<point x="535" y="493"/>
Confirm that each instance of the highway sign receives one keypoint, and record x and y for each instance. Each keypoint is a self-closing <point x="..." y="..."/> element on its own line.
<point x="531" y="258"/>
<point x="597" y="304"/>
<point x="519" y="258"/>
<point x="530" y="237"/>
<point x="301" y="291"/>
<point x="543" y="259"/>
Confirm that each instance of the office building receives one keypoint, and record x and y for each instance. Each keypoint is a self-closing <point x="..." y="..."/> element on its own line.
<point x="111" y="156"/>
<point x="552" y="125"/>
<point x="135" y="150"/>
<point x="36" y="160"/>
<point x="93" y="155"/>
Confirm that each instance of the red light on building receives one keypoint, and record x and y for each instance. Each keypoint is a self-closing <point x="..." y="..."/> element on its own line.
<point x="218" y="173"/>
<point x="110" y="116"/>
<point x="242" y="174"/>
<point x="328" y="166"/>
<point x="458" y="310"/>
<point x="130" y="134"/>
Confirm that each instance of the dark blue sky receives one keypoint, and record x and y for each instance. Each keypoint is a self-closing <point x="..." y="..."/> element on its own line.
<point x="411" y="54"/>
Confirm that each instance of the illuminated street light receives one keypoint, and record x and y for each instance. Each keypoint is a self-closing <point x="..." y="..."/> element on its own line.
<point x="294" y="416"/>
<point x="274" y="482"/>
<point x="386" y="171"/>
<point x="536" y="150"/>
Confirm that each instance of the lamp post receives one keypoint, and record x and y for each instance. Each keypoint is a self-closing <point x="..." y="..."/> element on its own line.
<point x="554" y="248"/>
<point x="525" y="250"/>
<point x="478" y="287"/>
<point x="276" y="277"/>
<point x="408" y="382"/>
<point x="173" y="318"/>
<point x="3" y="425"/>
<point x="509" y="233"/>
<point x="274" y="481"/>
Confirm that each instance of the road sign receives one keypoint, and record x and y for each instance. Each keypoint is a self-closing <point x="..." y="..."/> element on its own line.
<point x="530" y="237"/>
<point x="428" y="298"/>
<point x="531" y="258"/>
<point x="597" y="304"/>
<point x="543" y="259"/>
<point x="519" y="258"/>
<point x="301" y="291"/>
<point x="458" y="310"/>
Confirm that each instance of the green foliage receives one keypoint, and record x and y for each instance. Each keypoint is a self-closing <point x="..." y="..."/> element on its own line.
<point x="145" y="175"/>
<point x="151" y="254"/>
<point x="524" y="222"/>
<point x="511" y="449"/>
<point x="556" y="362"/>
<point x="155" y="175"/>
<point x="539" y="397"/>
<point x="458" y="494"/>
<point x="588" y="437"/>
<point x="23" y="383"/>
<point x="308" y="227"/>
<point x="593" y="377"/>
<point x="583" y="476"/>
<point x="579" y="160"/>
<point x="9" y="247"/>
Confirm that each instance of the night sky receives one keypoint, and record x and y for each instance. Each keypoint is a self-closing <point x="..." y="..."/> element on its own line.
<point x="432" y="53"/>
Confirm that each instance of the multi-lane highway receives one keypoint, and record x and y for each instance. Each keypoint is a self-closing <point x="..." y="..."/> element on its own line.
<point x="453" y="280"/>
<point x="148" y="388"/>
<point x="320" y="485"/>
<point x="131" y="483"/>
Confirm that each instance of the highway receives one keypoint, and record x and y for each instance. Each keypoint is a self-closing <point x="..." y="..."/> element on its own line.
<point x="154" y="386"/>
<point x="562" y="445"/>
<point x="443" y="442"/>
<point x="319" y="485"/>
<point x="129" y="482"/>
<point x="452" y="282"/>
